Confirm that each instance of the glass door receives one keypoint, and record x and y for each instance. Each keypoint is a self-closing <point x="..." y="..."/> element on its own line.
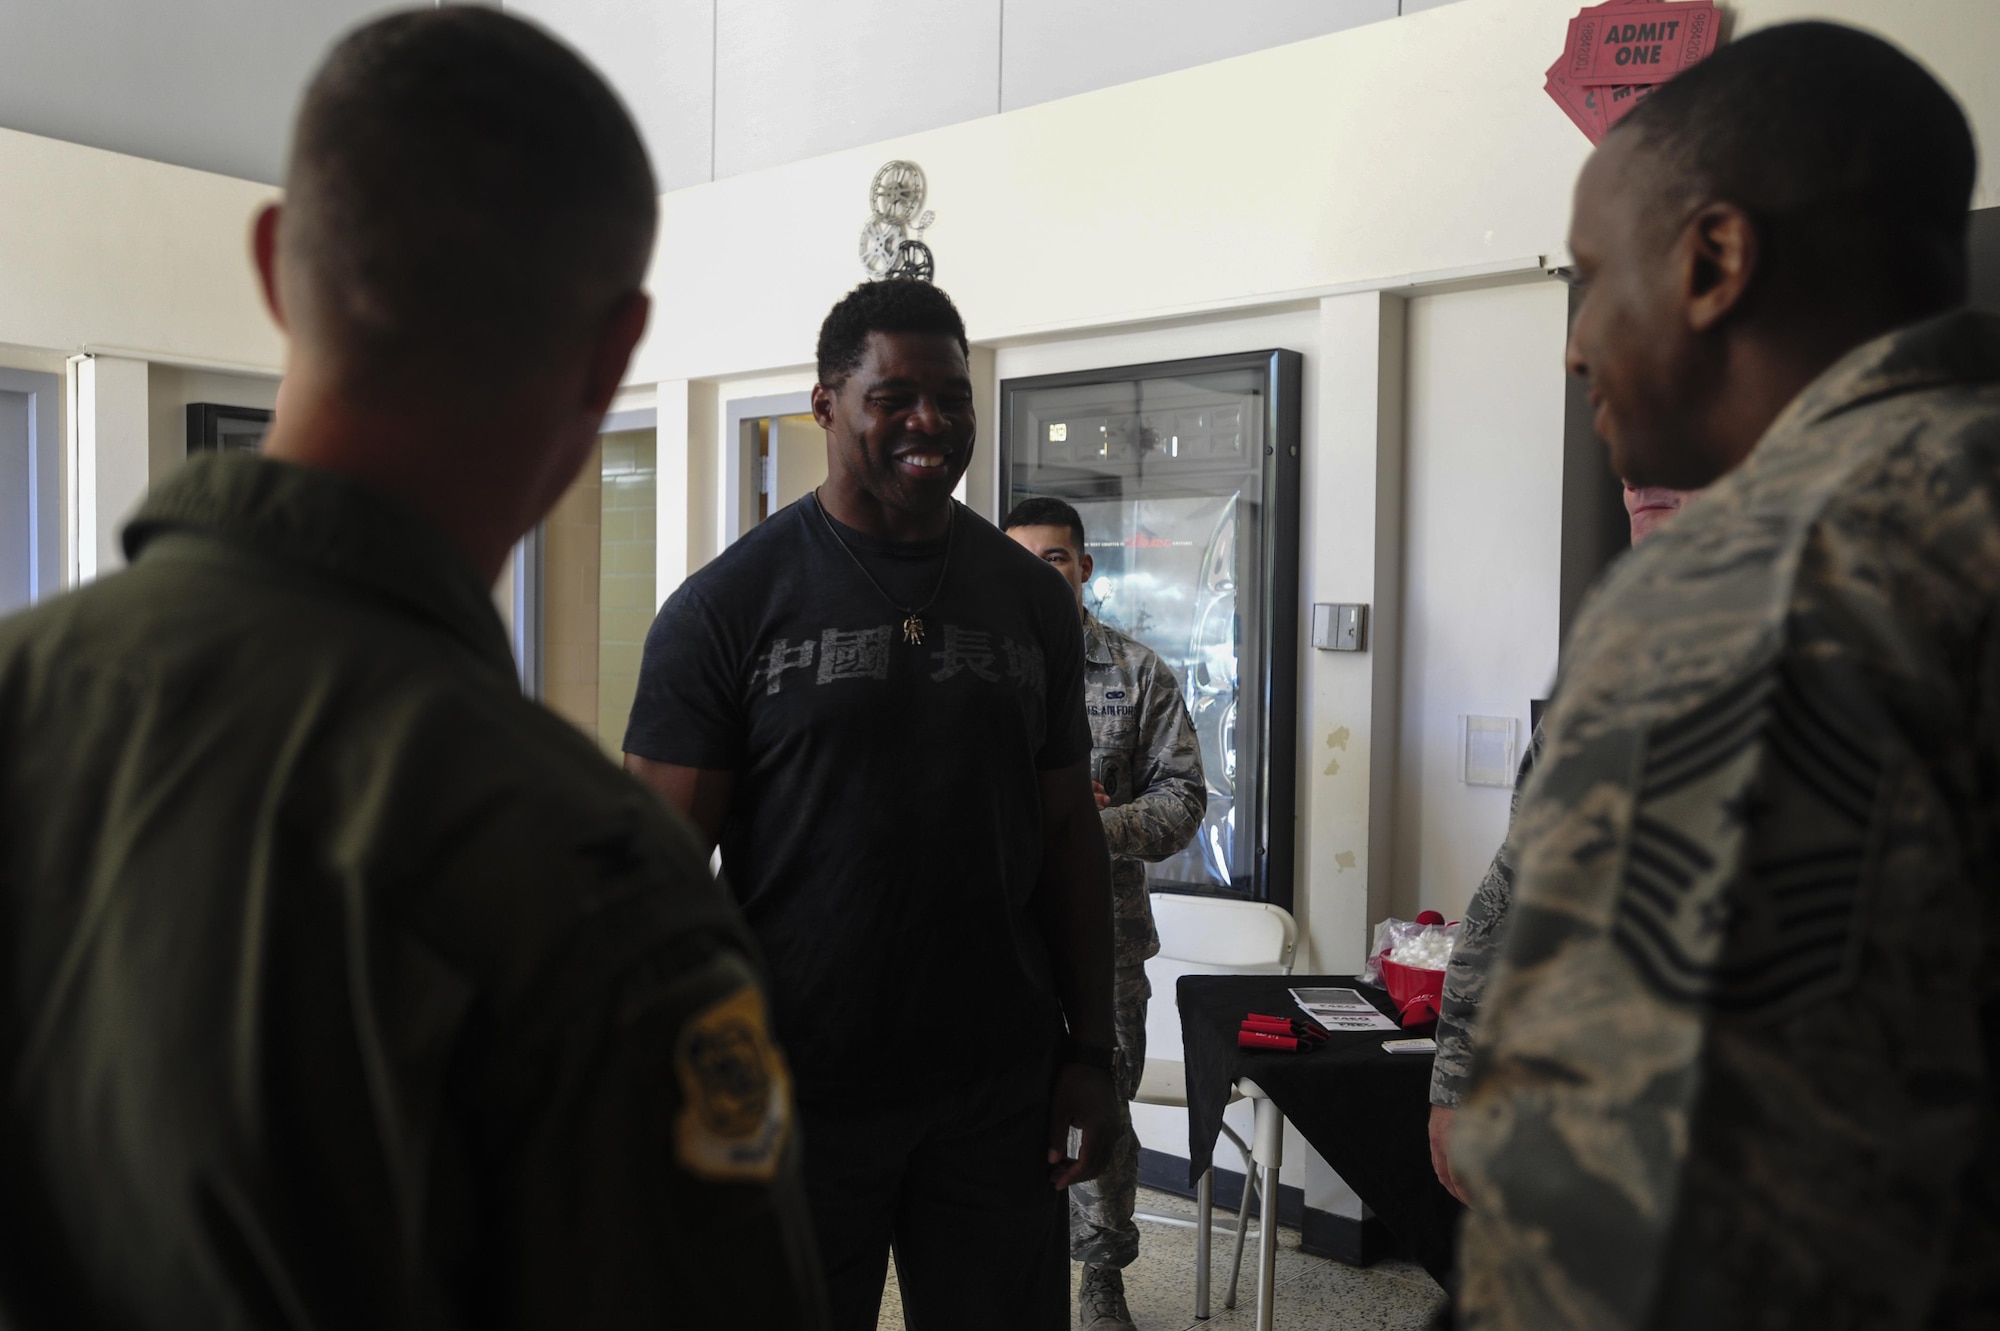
<point x="1186" y="476"/>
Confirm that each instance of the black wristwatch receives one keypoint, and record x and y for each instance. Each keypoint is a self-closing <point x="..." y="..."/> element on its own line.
<point x="1088" y="1055"/>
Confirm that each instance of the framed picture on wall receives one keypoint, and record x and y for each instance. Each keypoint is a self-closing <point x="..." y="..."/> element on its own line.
<point x="215" y="427"/>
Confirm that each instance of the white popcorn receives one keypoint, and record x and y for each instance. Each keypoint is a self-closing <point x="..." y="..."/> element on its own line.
<point x="1428" y="949"/>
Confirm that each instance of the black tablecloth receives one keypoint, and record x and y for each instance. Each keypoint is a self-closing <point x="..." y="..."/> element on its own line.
<point x="1365" y="1111"/>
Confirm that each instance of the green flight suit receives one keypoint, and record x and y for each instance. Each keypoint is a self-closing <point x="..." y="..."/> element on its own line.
<point x="344" y="986"/>
<point x="1739" y="1066"/>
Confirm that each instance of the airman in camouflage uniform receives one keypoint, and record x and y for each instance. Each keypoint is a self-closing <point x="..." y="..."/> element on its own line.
<point x="1146" y="763"/>
<point x="1737" y="1068"/>
<point x="1757" y="861"/>
<point x="1147" y="760"/>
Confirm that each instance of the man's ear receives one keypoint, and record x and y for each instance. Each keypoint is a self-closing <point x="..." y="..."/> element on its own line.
<point x="264" y="249"/>
<point x="616" y="337"/>
<point x="1086" y="563"/>
<point x="822" y="400"/>
<point x="1723" y="253"/>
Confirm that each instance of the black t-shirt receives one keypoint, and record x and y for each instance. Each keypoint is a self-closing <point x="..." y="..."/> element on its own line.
<point x="884" y="834"/>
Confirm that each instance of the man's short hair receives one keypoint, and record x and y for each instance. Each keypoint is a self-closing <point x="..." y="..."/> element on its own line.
<point x="464" y="194"/>
<point x="1043" y="511"/>
<point x="1831" y="135"/>
<point x="892" y="305"/>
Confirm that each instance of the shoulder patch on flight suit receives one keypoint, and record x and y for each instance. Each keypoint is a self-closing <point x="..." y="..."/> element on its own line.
<point x="738" y="1113"/>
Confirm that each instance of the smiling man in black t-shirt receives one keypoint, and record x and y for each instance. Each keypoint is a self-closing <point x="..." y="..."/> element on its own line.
<point x="874" y="704"/>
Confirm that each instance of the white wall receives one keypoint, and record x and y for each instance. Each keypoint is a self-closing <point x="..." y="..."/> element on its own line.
<point x="104" y="252"/>
<point x="1482" y="545"/>
<point x="1400" y="148"/>
<point x="1273" y="176"/>
<point x="1058" y="48"/>
<point x="108" y="465"/>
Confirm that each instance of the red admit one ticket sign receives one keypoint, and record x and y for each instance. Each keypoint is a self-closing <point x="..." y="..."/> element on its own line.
<point x="1638" y="43"/>
<point x="1594" y="110"/>
<point x="1595" y="107"/>
<point x="1582" y="105"/>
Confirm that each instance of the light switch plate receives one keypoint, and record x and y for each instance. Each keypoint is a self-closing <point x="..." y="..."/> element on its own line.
<point x="1339" y="628"/>
<point x="1487" y="747"/>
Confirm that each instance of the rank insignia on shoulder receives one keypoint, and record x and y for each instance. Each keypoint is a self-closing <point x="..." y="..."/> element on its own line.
<point x="739" y="1097"/>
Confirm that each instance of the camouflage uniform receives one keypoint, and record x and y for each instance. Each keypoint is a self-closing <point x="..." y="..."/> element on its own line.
<point x="1472" y="957"/>
<point x="1738" y="1065"/>
<point x="1145" y="755"/>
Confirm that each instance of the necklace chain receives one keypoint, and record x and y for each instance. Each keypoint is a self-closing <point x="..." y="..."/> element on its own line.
<point x="913" y="617"/>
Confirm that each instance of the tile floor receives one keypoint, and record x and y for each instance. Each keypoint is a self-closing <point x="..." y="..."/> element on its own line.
<point x="1312" y="1292"/>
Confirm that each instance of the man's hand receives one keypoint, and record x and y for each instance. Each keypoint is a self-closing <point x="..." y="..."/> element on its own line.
<point x="1083" y="1099"/>
<point x="1097" y="790"/>
<point x="1441" y="1122"/>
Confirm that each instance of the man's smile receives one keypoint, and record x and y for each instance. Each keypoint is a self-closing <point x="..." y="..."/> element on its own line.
<point x="924" y="459"/>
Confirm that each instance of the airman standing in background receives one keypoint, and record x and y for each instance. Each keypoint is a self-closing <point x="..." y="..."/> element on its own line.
<point x="1146" y="767"/>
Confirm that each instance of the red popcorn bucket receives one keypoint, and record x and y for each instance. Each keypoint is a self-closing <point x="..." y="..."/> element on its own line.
<point x="1417" y="993"/>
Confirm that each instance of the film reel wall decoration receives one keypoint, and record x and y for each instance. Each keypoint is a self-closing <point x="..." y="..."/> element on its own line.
<point x="892" y="241"/>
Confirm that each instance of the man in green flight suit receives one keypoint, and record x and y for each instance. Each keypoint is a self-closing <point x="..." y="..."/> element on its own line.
<point x="1737" y="1067"/>
<point x="1146" y="767"/>
<point x="346" y="986"/>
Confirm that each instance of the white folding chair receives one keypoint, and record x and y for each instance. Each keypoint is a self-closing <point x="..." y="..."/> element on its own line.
<point x="1219" y="936"/>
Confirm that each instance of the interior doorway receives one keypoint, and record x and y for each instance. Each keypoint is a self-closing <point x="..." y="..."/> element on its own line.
<point x="30" y="489"/>
<point x="790" y="461"/>
<point x="776" y="455"/>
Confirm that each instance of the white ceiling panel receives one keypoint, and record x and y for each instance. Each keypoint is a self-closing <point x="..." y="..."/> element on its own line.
<point x="798" y="78"/>
<point x="660" y="56"/>
<point x="718" y="87"/>
<point x="1058" y="48"/>
<point x="209" y="84"/>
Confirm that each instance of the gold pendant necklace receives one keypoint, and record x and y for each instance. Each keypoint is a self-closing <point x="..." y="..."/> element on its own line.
<point x="913" y="616"/>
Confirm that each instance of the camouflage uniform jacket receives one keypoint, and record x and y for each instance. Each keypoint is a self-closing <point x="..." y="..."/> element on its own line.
<point x="1145" y="755"/>
<point x="1740" y="1062"/>
<point x="1471" y="963"/>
